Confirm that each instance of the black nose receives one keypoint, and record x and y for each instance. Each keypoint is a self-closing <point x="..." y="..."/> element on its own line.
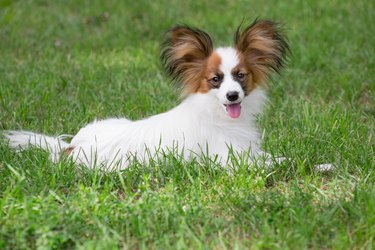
<point x="232" y="96"/>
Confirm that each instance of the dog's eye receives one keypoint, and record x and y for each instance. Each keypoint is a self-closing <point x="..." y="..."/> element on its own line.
<point x="215" y="79"/>
<point x="240" y="75"/>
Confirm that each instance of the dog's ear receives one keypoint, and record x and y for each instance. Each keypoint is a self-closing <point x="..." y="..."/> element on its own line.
<point x="184" y="54"/>
<point x="262" y="47"/>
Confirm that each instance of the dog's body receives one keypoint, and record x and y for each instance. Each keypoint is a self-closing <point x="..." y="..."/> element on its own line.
<point x="188" y="129"/>
<point x="223" y="89"/>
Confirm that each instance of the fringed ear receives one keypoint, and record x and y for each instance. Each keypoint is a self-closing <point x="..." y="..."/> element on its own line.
<point x="262" y="47"/>
<point x="184" y="54"/>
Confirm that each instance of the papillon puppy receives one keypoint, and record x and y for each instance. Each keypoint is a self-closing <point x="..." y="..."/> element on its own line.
<point x="222" y="91"/>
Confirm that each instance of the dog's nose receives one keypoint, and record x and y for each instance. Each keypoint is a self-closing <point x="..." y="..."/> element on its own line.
<point x="232" y="96"/>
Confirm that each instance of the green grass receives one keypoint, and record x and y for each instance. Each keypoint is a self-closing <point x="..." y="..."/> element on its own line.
<point x="64" y="63"/>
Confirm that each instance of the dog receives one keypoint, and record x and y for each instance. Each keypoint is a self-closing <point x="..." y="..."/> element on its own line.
<point x="222" y="89"/>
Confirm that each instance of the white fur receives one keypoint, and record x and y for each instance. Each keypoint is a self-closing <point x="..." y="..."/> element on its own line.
<point x="21" y="140"/>
<point x="325" y="167"/>
<point x="199" y="121"/>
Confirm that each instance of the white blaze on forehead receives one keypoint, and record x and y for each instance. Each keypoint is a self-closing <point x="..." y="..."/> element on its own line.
<point x="229" y="60"/>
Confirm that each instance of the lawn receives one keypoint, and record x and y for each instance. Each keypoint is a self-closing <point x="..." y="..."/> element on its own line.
<point x="65" y="63"/>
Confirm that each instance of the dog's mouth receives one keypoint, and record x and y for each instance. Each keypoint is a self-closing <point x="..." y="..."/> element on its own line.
<point x="233" y="110"/>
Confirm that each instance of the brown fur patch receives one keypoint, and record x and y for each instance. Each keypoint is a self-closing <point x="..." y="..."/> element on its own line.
<point x="247" y="82"/>
<point x="261" y="48"/>
<point x="68" y="150"/>
<point x="211" y="69"/>
<point x="185" y="54"/>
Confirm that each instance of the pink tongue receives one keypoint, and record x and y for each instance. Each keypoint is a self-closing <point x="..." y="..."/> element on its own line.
<point x="234" y="110"/>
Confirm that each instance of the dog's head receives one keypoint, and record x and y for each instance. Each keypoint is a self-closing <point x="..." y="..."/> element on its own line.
<point x="231" y="73"/>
